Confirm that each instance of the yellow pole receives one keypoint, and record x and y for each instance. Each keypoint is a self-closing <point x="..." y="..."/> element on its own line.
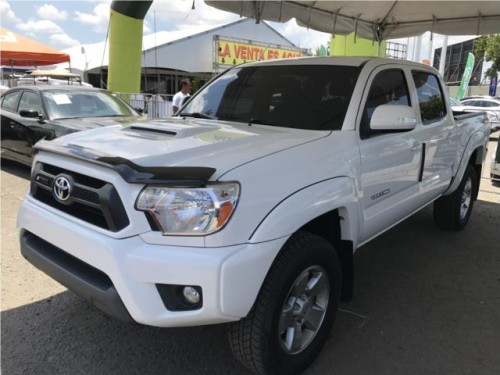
<point x="125" y="45"/>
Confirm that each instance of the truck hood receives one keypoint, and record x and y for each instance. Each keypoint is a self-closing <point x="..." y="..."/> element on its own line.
<point x="182" y="143"/>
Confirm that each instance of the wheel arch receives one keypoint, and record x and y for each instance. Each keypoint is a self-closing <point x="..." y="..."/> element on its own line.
<point x="329" y="227"/>
<point x="476" y="160"/>
<point x="474" y="154"/>
<point x="328" y="209"/>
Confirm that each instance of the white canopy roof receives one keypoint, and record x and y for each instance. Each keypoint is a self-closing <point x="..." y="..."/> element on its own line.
<point x="169" y="49"/>
<point x="376" y="19"/>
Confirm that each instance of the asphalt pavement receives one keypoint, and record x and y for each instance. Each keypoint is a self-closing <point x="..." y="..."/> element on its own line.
<point x="426" y="302"/>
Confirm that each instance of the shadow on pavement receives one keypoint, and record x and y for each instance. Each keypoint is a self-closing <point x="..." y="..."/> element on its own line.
<point x="17" y="169"/>
<point x="65" y="335"/>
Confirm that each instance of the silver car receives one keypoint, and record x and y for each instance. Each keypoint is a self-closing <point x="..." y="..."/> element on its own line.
<point x="489" y="104"/>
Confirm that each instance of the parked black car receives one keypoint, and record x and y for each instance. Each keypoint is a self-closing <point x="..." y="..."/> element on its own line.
<point x="34" y="112"/>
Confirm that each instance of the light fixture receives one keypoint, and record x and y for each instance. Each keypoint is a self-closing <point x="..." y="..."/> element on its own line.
<point x="191" y="294"/>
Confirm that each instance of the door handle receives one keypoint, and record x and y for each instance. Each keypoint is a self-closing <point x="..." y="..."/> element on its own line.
<point x="416" y="147"/>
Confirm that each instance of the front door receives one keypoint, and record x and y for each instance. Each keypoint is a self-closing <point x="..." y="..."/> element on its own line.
<point x="390" y="160"/>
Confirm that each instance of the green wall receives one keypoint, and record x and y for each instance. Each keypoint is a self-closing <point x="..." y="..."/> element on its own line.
<point x="344" y="45"/>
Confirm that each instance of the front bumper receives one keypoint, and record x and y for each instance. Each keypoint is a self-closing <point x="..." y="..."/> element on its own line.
<point x="120" y="276"/>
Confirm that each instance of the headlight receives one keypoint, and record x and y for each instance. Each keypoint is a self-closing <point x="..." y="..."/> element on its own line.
<point x="492" y="116"/>
<point x="189" y="211"/>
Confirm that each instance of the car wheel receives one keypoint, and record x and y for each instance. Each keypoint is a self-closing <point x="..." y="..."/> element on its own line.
<point x="452" y="212"/>
<point x="294" y="311"/>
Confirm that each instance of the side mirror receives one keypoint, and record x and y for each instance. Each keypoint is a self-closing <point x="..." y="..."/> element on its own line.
<point x="29" y="113"/>
<point x="393" y="117"/>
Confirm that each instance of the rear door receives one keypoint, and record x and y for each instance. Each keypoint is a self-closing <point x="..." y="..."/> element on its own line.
<point x="438" y="135"/>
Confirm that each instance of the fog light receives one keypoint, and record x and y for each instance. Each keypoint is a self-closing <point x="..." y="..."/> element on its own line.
<point x="191" y="294"/>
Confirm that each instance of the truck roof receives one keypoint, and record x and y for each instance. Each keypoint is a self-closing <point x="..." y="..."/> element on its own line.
<point x="337" y="60"/>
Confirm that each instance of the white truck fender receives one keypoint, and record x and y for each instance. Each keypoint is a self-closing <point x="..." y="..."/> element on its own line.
<point x="476" y="142"/>
<point x="309" y="203"/>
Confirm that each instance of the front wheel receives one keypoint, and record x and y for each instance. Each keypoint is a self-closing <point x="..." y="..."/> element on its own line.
<point x="294" y="311"/>
<point x="452" y="212"/>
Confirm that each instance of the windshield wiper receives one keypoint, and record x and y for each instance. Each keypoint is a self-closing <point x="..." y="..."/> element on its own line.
<point x="196" y="115"/>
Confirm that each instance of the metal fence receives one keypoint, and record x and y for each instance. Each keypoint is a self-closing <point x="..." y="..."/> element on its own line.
<point x="152" y="105"/>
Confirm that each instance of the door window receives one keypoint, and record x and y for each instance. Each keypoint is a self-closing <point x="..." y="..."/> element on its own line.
<point x="430" y="97"/>
<point x="10" y="100"/>
<point x="471" y="103"/>
<point x="388" y="87"/>
<point x="30" y="100"/>
<point x="484" y="103"/>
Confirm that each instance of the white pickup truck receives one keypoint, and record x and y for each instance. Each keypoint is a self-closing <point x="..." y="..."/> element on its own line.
<point x="247" y="207"/>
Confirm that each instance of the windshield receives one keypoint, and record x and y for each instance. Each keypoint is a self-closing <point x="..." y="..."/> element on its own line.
<point x="80" y="104"/>
<point x="313" y="97"/>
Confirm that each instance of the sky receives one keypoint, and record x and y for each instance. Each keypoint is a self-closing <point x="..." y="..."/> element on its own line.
<point x="69" y="23"/>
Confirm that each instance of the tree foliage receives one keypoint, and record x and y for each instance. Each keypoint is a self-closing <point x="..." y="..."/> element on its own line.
<point x="488" y="47"/>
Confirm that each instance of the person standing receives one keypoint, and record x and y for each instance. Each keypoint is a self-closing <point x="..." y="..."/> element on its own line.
<point x="181" y="95"/>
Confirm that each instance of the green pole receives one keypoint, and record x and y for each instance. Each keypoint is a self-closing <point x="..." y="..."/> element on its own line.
<point x="464" y="83"/>
<point x="125" y="45"/>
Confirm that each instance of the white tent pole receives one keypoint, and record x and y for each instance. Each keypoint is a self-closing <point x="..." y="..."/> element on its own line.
<point x="416" y="56"/>
<point x="430" y="50"/>
<point x="444" y="50"/>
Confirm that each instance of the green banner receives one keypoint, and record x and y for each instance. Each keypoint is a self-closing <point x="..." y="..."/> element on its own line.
<point x="464" y="84"/>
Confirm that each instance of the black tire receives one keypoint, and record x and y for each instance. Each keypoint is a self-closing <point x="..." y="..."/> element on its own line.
<point x="452" y="212"/>
<point x="259" y="340"/>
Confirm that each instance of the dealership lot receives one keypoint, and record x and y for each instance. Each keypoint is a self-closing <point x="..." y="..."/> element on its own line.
<point x="426" y="302"/>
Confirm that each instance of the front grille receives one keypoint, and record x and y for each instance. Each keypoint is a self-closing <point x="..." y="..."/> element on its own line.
<point x="92" y="200"/>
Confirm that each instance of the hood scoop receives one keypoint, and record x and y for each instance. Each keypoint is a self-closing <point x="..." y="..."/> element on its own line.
<point x="153" y="130"/>
<point x="168" y="129"/>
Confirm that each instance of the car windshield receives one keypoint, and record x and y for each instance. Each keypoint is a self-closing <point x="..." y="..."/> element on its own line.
<point x="79" y="104"/>
<point x="303" y="97"/>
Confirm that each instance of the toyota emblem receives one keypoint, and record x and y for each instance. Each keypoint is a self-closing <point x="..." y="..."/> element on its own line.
<point x="62" y="188"/>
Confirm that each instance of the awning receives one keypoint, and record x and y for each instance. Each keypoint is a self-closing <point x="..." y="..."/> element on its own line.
<point x="18" y="50"/>
<point x="376" y="20"/>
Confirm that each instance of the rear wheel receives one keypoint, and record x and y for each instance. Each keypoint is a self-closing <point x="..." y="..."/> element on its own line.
<point x="452" y="212"/>
<point x="294" y="311"/>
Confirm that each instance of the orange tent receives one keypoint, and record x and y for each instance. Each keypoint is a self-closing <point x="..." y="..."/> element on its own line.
<point x="17" y="50"/>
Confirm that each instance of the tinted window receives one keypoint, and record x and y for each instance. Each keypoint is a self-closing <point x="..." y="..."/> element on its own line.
<point x="471" y="103"/>
<point x="488" y="104"/>
<point x="10" y="101"/>
<point x="303" y="97"/>
<point x="388" y="87"/>
<point x="430" y="98"/>
<point x="30" y="100"/>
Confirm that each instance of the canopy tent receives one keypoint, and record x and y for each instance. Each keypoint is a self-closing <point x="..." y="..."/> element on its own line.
<point x="376" y="20"/>
<point x="17" y="50"/>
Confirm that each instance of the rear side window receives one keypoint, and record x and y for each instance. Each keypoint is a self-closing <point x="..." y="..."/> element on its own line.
<point x="388" y="87"/>
<point x="430" y="97"/>
<point x="10" y="101"/>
